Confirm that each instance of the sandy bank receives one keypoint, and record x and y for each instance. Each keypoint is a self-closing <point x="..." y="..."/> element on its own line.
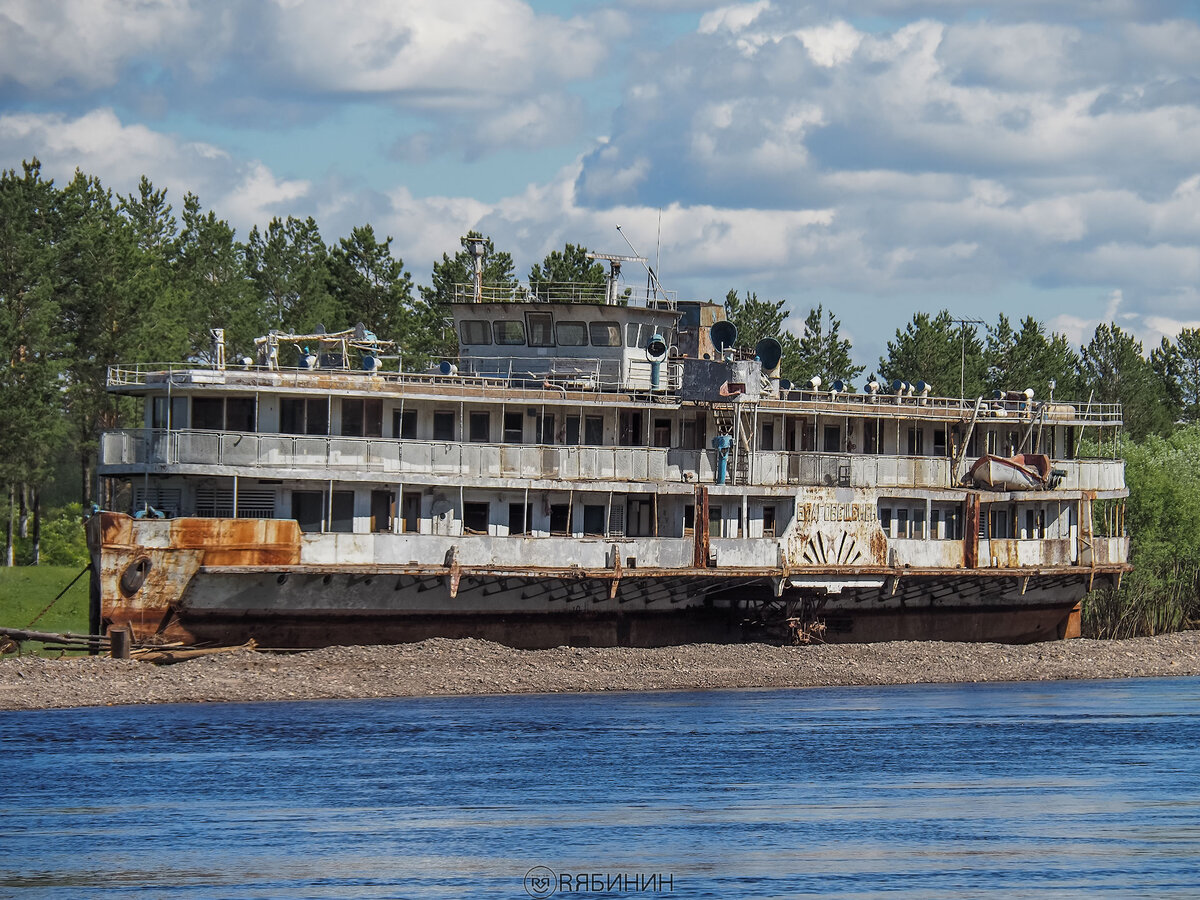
<point x="478" y="667"/>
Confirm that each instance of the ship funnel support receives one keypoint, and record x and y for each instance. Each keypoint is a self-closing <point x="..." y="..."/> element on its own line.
<point x="769" y="352"/>
<point x="723" y="334"/>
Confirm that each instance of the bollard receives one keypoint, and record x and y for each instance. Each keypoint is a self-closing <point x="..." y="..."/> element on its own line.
<point x="119" y="640"/>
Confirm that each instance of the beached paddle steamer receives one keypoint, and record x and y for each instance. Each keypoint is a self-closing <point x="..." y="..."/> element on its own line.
<point x="600" y="465"/>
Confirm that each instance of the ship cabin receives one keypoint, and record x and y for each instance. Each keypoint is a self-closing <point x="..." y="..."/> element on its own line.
<point x="600" y="418"/>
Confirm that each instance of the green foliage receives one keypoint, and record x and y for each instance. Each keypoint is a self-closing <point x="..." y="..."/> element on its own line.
<point x="1029" y="358"/>
<point x="936" y="350"/>
<point x="63" y="541"/>
<point x="822" y="351"/>
<point x="369" y="284"/>
<point x="287" y="264"/>
<point x="1114" y="370"/>
<point x="568" y="275"/>
<point x="498" y="271"/>
<point x="757" y="319"/>
<point x="1176" y="365"/>
<point x="1163" y="518"/>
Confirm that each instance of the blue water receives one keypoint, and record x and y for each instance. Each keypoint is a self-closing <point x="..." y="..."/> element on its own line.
<point x="1013" y="790"/>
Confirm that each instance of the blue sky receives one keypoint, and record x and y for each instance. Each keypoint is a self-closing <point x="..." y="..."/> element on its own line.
<point x="880" y="157"/>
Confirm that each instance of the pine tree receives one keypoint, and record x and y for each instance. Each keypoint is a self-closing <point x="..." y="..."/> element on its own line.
<point x="568" y="275"/>
<point x="458" y="272"/>
<point x="934" y="350"/>
<point x="822" y="351"/>
<point x="1114" y="370"/>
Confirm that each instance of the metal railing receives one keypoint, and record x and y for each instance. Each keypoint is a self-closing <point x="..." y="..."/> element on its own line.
<point x="278" y="453"/>
<point x="567" y="292"/>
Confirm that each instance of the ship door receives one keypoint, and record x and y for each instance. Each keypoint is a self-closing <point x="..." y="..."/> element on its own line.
<point x="410" y="510"/>
<point x="383" y="509"/>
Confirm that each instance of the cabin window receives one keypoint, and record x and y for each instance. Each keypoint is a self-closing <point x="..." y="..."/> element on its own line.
<point x="304" y="415"/>
<point x="241" y="414"/>
<point x="998" y="524"/>
<point x="593" y="519"/>
<point x="885" y="521"/>
<point x="662" y="432"/>
<point x="1012" y="443"/>
<point x="572" y="433"/>
<point x="541" y="331"/>
<point x="916" y="442"/>
<point x="546" y="429"/>
<point x="571" y="334"/>
<point x="714" y="521"/>
<point x="404" y="424"/>
<point x="481" y="427"/>
<point x="308" y="509"/>
<point x="631" y="429"/>
<point x="990" y="443"/>
<point x="520" y="518"/>
<point x="593" y="431"/>
<point x="443" y="425"/>
<point x="902" y="523"/>
<point x="918" y="524"/>
<point x="341" y="515"/>
<point x="509" y="332"/>
<point x="808" y="435"/>
<point x="692" y="434"/>
<point x="476" y="331"/>
<point x="939" y="442"/>
<point x="768" y="436"/>
<point x="179" y="413"/>
<point x="560" y="518"/>
<point x="833" y="438"/>
<point x="383" y="504"/>
<point x="475" y="518"/>
<point x="514" y="428"/>
<point x="631" y="334"/>
<point x="935" y="525"/>
<point x="768" y="521"/>
<point x="689" y="519"/>
<point x="362" y="418"/>
<point x="605" y="334"/>
<point x="208" y="413"/>
<point x="872" y="435"/>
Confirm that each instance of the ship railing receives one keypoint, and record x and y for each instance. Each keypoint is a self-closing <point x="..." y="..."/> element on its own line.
<point x="990" y="411"/>
<point x="603" y="292"/>
<point x="281" y="452"/>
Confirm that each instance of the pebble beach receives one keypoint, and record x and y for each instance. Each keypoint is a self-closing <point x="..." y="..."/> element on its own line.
<point x="472" y="667"/>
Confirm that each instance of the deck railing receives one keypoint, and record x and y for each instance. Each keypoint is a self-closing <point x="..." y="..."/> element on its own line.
<point x="276" y="454"/>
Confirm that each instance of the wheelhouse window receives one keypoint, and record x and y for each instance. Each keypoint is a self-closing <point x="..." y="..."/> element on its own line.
<point x="509" y="332"/>
<point x="632" y="330"/>
<point x="208" y="413"/>
<point x="475" y="331"/>
<point x="605" y="334"/>
<point x="571" y="334"/>
<point x="540" y="328"/>
<point x="304" y="415"/>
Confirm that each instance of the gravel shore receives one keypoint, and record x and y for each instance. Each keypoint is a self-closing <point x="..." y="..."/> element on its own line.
<point x="457" y="667"/>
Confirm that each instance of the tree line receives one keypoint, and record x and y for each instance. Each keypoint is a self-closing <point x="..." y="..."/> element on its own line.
<point x="90" y="279"/>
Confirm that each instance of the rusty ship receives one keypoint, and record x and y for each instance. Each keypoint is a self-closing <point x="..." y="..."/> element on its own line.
<point x="599" y="465"/>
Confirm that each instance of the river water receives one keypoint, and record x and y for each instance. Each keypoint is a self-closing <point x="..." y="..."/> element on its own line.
<point x="1069" y="789"/>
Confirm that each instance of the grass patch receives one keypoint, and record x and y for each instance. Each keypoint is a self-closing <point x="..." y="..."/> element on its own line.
<point x="26" y="590"/>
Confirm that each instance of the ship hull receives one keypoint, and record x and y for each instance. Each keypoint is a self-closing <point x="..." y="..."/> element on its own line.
<point x="229" y="581"/>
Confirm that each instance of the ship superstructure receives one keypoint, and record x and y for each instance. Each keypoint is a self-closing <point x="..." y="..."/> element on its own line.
<point x="598" y="466"/>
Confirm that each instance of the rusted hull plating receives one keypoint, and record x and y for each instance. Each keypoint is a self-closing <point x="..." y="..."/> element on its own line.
<point x="225" y="581"/>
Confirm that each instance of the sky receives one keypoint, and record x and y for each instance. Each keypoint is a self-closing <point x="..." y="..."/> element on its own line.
<point x="878" y="157"/>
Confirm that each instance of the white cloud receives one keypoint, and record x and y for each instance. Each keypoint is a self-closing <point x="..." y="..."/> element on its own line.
<point x="734" y="17"/>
